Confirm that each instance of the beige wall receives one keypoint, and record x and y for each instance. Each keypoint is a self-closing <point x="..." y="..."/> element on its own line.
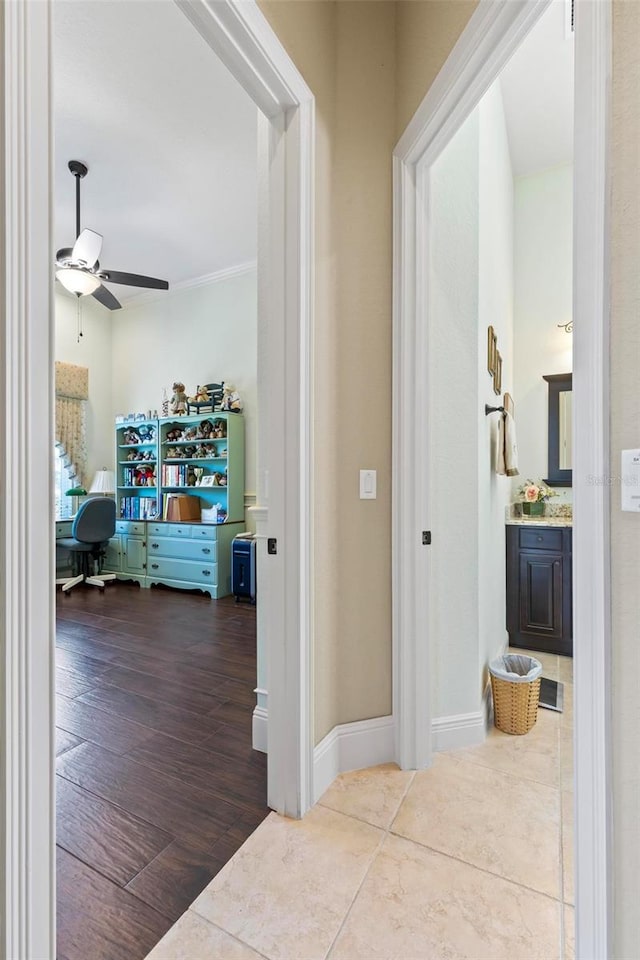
<point x="346" y="53"/>
<point x="625" y="433"/>
<point x="426" y="32"/>
<point x="368" y="69"/>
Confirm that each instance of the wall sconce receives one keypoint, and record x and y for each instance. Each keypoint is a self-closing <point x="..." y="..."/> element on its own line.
<point x="567" y="327"/>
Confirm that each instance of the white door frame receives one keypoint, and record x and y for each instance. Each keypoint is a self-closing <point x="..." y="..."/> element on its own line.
<point x="493" y="33"/>
<point x="242" y="38"/>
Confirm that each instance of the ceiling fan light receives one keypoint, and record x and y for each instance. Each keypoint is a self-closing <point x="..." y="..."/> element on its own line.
<point x="77" y="281"/>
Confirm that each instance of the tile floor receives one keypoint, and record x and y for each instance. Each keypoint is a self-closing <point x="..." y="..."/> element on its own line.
<point x="471" y="858"/>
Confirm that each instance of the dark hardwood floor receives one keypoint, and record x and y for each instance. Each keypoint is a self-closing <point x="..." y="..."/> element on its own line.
<point x="157" y="782"/>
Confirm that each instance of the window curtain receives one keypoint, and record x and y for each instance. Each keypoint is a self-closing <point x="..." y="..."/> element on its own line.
<point x="72" y="393"/>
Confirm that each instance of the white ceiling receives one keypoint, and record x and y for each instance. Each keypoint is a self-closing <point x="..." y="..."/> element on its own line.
<point x="537" y="91"/>
<point x="168" y="135"/>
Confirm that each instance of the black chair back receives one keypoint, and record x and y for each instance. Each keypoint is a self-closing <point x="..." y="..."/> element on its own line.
<point x="95" y="521"/>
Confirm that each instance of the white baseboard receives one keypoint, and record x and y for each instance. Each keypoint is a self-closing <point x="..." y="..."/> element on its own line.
<point x="259" y="728"/>
<point x="352" y="746"/>
<point x="459" y="730"/>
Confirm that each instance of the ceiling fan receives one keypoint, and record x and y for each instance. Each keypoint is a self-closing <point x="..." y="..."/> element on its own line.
<point x="78" y="269"/>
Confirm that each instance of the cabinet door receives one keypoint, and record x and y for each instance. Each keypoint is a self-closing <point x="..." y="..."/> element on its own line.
<point x="134" y="556"/>
<point x="113" y="555"/>
<point x="541" y="576"/>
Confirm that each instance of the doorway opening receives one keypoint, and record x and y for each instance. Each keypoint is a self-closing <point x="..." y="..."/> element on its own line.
<point x="247" y="46"/>
<point x="432" y="715"/>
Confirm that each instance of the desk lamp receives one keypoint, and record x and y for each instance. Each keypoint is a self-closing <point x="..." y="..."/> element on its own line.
<point x="76" y="493"/>
<point x="104" y="482"/>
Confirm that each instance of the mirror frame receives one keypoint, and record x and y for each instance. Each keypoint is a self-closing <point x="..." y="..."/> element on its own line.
<point x="558" y="383"/>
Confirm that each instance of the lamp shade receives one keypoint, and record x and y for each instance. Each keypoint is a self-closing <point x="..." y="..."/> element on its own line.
<point x="104" y="481"/>
<point x="77" y="281"/>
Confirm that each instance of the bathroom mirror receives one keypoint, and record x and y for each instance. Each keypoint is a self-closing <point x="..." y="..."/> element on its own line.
<point x="560" y="436"/>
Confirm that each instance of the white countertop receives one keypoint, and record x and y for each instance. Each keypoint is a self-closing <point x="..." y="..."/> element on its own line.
<point x="539" y="521"/>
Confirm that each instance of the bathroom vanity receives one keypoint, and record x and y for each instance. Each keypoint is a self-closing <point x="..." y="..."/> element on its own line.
<point x="539" y="607"/>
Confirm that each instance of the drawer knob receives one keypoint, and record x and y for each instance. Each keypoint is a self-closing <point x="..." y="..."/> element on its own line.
<point x="155" y="545"/>
<point x="207" y="573"/>
<point x="154" y="566"/>
<point x="206" y="550"/>
<point x="539" y="539"/>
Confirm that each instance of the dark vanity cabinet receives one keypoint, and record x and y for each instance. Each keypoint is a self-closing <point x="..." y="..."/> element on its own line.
<point x="539" y="588"/>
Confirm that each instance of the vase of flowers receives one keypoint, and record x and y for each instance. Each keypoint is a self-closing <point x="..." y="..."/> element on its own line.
<point x="533" y="497"/>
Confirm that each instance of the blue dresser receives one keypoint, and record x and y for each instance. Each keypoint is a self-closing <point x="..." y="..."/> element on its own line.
<point x="188" y="556"/>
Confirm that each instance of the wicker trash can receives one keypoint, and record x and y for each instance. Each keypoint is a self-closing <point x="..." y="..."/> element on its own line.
<point x="515" y="684"/>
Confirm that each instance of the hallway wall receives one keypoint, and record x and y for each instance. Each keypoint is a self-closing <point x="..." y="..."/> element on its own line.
<point x="495" y="308"/>
<point x="543" y="299"/>
<point x="346" y="53"/>
<point x="625" y="432"/>
<point x="366" y="70"/>
<point x="454" y="207"/>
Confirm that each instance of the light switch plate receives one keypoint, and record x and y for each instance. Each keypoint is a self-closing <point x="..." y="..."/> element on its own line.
<point x="630" y="480"/>
<point x="368" y="483"/>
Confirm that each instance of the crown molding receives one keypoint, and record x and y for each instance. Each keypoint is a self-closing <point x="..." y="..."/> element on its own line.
<point x="228" y="273"/>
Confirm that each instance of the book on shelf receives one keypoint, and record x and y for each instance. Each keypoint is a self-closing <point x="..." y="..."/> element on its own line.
<point x="138" y="508"/>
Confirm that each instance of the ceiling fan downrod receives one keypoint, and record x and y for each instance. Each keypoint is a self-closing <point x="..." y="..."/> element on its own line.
<point x="79" y="170"/>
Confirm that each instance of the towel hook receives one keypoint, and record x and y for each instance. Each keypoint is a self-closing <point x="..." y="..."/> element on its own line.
<point x="488" y="409"/>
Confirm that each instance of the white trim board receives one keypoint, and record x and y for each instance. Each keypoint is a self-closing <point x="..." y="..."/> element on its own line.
<point x="458" y="731"/>
<point x="242" y="38"/>
<point x="352" y="746"/>
<point x="260" y="729"/>
<point x="367" y="743"/>
<point x="493" y="33"/>
<point x="228" y="273"/>
<point x="27" y="908"/>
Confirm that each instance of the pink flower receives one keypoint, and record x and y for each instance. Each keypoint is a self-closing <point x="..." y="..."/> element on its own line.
<point x="531" y="493"/>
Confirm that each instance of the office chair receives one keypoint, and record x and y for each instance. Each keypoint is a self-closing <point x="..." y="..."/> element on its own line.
<point x="93" y="527"/>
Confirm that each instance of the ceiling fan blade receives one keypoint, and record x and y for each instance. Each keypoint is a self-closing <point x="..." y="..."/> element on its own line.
<point x="133" y="279"/>
<point x="106" y="298"/>
<point x="87" y="247"/>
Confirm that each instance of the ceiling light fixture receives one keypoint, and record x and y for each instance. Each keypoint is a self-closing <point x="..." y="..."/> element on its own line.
<point x="77" y="281"/>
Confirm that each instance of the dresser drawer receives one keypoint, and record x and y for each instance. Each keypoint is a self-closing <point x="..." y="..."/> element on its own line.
<point x="203" y="532"/>
<point x="165" y="568"/>
<point x="169" y="530"/>
<point x="541" y="538"/>
<point x="63" y="528"/>
<point x="132" y="528"/>
<point x="184" y="549"/>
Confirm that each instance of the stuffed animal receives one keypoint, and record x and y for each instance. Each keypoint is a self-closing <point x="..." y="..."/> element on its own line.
<point x="174" y="435"/>
<point x="144" y="477"/>
<point x="178" y="403"/>
<point x="172" y="453"/>
<point x="147" y="434"/>
<point x="231" y="399"/>
<point x="191" y="477"/>
<point x="219" y="429"/>
<point x="131" y="436"/>
<point x="205" y="428"/>
<point x="201" y="396"/>
<point x="133" y="455"/>
<point x="189" y="452"/>
<point x="191" y="433"/>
